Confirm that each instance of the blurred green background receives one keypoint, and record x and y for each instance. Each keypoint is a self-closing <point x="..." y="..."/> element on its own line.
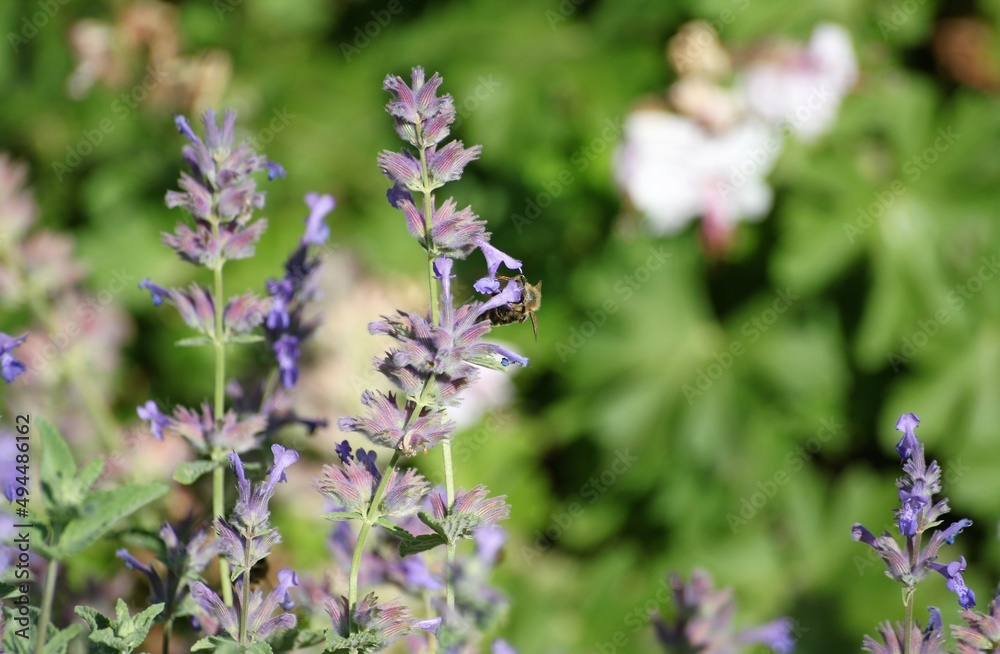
<point x="813" y="400"/>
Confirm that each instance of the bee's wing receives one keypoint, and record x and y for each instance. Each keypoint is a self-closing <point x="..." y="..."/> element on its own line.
<point x="534" y="325"/>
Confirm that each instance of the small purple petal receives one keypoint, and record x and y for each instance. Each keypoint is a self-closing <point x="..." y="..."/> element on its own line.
<point x="908" y="443"/>
<point x="274" y="170"/>
<point x="317" y="232"/>
<point x="185" y="128"/>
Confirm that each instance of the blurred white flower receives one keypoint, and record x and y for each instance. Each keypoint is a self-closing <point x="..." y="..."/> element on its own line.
<point x="800" y="88"/>
<point x="674" y="170"/>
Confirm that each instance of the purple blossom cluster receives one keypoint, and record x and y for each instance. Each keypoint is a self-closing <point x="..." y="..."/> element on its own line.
<point x="287" y="325"/>
<point x="245" y="539"/>
<point x="919" y="513"/>
<point x="436" y="356"/>
<point x="703" y="621"/>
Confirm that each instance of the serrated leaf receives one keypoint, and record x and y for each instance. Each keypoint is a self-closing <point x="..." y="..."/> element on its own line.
<point x="392" y="528"/>
<point x="194" y="341"/>
<point x="56" y="642"/>
<point x="188" y="472"/>
<point x="433" y="523"/>
<point x="341" y="516"/>
<point x="90" y="473"/>
<point x="242" y="339"/>
<point x="361" y="641"/>
<point x="288" y="640"/>
<point x="422" y="543"/>
<point x="102" y="510"/>
<point x="57" y="458"/>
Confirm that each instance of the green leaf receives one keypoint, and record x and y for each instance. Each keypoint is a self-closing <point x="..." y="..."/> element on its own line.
<point x="340" y="516"/>
<point x="394" y="529"/>
<point x="90" y="473"/>
<point x="102" y="510"/>
<point x="188" y="472"/>
<point x="123" y="634"/>
<point x="57" y="459"/>
<point x="194" y="341"/>
<point x="19" y="639"/>
<point x="418" y="544"/>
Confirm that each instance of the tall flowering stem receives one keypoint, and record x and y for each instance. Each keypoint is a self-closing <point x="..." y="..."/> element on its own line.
<point x="436" y="356"/>
<point x="918" y="513"/>
<point x="221" y="195"/>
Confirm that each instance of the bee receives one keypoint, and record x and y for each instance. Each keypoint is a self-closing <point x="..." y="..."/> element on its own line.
<point x="531" y="300"/>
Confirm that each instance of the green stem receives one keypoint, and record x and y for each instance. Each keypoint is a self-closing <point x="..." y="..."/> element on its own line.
<point x="449" y="468"/>
<point x="359" y="546"/>
<point x="245" y="600"/>
<point x="218" y="501"/>
<point x="167" y="628"/>
<point x="218" y="478"/>
<point x="913" y="547"/>
<point x="51" y="572"/>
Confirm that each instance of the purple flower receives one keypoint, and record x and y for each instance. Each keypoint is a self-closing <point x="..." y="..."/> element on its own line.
<point x="367" y="459"/>
<point x="286" y="349"/>
<point x="317" y="232"/>
<point x="352" y="486"/>
<point x="917" y="513"/>
<point x="10" y="367"/>
<point x="472" y="509"/>
<point x="343" y="450"/>
<point x="379" y="624"/>
<point x="247" y="537"/>
<point x="908" y="443"/>
<point x="494" y="258"/>
<point x="418" y="104"/>
<point x="982" y="632"/>
<point x="776" y="635"/>
<point x="501" y="646"/>
<point x="956" y="583"/>
<point x="703" y="621"/>
<point x="281" y="292"/>
<point x="158" y="292"/>
<point x="204" y="433"/>
<point x="157" y="421"/>
<point x="930" y="641"/>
